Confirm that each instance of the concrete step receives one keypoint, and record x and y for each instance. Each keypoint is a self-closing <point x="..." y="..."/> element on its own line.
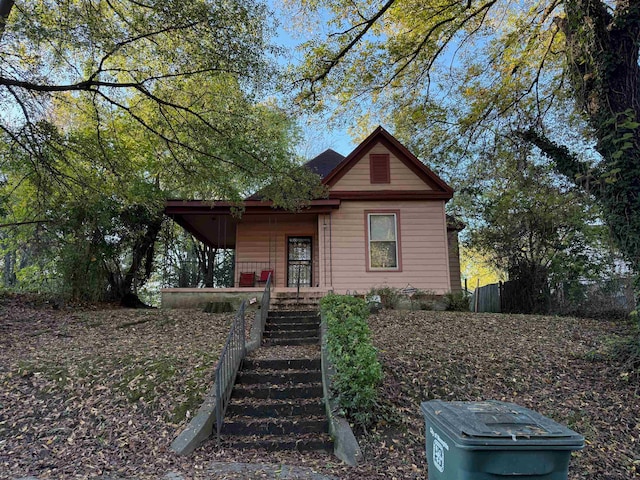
<point x="291" y="341"/>
<point x="294" y="294"/>
<point x="292" y="313"/>
<point x="259" y="378"/>
<point x="235" y="426"/>
<point x="286" y="324"/>
<point x="292" y="305"/>
<point x="276" y="410"/>
<point x="276" y="326"/>
<point x="271" y="443"/>
<point x="277" y="392"/>
<point x="291" y="333"/>
<point x="290" y="364"/>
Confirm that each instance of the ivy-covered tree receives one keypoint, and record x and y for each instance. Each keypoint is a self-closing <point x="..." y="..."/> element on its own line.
<point x="466" y="76"/>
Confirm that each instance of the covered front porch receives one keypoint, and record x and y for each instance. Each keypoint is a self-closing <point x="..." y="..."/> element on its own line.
<point x="292" y="248"/>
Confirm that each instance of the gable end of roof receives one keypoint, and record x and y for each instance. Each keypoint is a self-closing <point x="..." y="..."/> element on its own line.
<point x="399" y="150"/>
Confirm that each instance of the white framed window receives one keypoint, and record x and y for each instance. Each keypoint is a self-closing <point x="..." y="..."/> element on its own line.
<point x="383" y="241"/>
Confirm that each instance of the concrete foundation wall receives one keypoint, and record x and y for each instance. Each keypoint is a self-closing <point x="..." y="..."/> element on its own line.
<point x="198" y="298"/>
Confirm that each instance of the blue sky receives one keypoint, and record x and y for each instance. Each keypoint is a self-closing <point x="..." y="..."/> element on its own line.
<point x="318" y="137"/>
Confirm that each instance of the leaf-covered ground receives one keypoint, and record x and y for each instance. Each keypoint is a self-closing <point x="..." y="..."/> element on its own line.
<point x="89" y="393"/>
<point x="96" y="392"/>
<point x="554" y="365"/>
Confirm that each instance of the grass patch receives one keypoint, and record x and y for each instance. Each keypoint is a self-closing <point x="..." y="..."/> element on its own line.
<point x="134" y="323"/>
<point x="625" y="351"/>
<point x="143" y="378"/>
<point x="195" y="388"/>
<point x="49" y="370"/>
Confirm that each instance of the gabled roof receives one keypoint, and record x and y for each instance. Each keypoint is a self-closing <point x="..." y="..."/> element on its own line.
<point x="380" y="135"/>
<point x="324" y="163"/>
<point x="332" y="166"/>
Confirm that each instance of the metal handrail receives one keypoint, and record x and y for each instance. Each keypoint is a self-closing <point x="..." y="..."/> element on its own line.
<point x="264" y="304"/>
<point x="225" y="376"/>
<point x="232" y="354"/>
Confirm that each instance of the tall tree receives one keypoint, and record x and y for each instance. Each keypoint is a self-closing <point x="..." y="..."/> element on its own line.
<point x="103" y="218"/>
<point x="167" y="66"/>
<point x="541" y="70"/>
<point x="107" y="108"/>
<point x="544" y="233"/>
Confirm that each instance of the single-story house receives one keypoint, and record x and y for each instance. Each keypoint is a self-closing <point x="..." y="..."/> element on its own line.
<point x="382" y="224"/>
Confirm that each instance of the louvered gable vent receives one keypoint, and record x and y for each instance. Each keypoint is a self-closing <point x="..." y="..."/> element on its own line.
<point x="379" y="168"/>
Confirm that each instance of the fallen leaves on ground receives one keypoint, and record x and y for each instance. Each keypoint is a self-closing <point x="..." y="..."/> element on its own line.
<point x="554" y="365"/>
<point x="100" y="392"/>
<point x="103" y="392"/>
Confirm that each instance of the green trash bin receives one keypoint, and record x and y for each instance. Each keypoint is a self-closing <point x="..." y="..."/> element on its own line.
<point x="494" y="440"/>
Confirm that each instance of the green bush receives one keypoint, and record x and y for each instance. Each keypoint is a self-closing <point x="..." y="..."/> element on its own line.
<point x="389" y="297"/>
<point x="457" y="302"/>
<point x="625" y="351"/>
<point x="358" y="371"/>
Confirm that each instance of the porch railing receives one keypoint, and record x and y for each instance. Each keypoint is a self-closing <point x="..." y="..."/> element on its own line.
<point x="233" y="352"/>
<point x="225" y="376"/>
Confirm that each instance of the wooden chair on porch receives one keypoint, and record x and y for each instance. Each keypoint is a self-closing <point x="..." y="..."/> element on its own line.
<point x="247" y="279"/>
<point x="264" y="276"/>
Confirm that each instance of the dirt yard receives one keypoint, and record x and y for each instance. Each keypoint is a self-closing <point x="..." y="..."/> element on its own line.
<point x="102" y="392"/>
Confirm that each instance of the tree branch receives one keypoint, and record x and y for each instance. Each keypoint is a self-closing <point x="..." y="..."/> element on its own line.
<point x="347" y="48"/>
<point x="30" y="222"/>
<point x="85" y="85"/>
<point x="409" y="59"/>
<point x="576" y="170"/>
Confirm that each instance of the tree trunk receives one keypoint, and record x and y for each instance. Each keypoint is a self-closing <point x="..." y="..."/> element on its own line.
<point x="206" y="262"/>
<point x="142" y="256"/>
<point x="9" y="274"/>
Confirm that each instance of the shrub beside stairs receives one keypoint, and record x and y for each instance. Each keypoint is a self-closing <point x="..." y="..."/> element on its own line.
<point x="276" y="403"/>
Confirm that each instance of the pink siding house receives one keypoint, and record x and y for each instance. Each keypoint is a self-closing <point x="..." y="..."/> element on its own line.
<point x="383" y="224"/>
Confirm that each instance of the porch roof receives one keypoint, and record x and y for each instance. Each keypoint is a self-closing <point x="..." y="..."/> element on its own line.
<point x="213" y="222"/>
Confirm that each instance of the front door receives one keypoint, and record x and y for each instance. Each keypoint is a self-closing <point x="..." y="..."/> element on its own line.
<point x="299" y="262"/>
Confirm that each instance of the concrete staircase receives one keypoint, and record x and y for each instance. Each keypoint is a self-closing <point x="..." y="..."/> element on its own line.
<point x="292" y="328"/>
<point x="276" y="403"/>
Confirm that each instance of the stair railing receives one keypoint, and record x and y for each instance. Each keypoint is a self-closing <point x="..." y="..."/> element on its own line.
<point x="230" y="359"/>
<point x="264" y="304"/>
<point x="232" y="354"/>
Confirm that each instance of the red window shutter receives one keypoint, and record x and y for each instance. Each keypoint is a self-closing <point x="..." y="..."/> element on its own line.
<point x="379" y="168"/>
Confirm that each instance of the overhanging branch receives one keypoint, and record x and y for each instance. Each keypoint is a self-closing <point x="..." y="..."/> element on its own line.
<point x="30" y="222"/>
<point x="332" y="62"/>
<point x="576" y="170"/>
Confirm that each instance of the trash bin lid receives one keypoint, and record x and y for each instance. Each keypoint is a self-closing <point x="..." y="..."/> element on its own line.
<point x="493" y="422"/>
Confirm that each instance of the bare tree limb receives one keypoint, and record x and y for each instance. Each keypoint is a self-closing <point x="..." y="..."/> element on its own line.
<point x="335" y="60"/>
<point x="30" y="222"/>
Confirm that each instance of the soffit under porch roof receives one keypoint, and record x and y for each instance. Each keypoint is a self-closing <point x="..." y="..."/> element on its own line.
<point x="214" y="223"/>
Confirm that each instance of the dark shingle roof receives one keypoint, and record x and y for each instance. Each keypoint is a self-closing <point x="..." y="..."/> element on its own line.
<point x="325" y="162"/>
<point x="322" y="165"/>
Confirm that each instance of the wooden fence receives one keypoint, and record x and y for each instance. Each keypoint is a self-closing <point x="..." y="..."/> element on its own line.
<point x="487" y="298"/>
<point x="514" y="296"/>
